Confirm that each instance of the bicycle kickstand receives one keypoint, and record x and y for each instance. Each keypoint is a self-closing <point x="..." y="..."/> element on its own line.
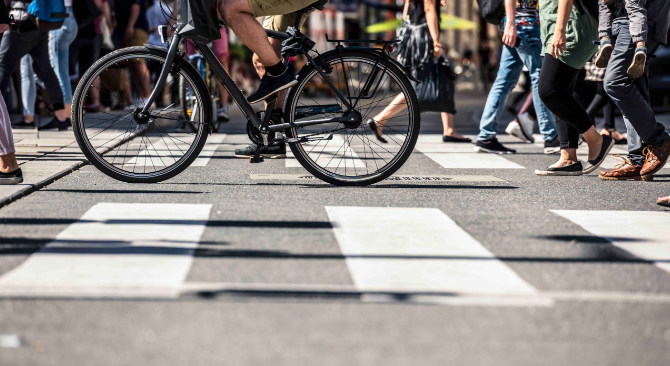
<point x="257" y="158"/>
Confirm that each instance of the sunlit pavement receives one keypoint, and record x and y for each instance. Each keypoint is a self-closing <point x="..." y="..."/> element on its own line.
<point x="461" y="258"/>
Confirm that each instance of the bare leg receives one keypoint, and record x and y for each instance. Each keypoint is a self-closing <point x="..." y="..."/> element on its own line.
<point x="8" y="163"/>
<point x="568" y="157"/>
<point x="448" y="125"/>
<point x="595" y="142"/>
<point x="238" y="16"/>
<point x="397" y="105"/>
<point x="141" y="78"/>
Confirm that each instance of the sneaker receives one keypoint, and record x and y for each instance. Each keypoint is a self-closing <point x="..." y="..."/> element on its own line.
<point x="604" y="54"/>
<point x="55" y="123"/>
<point x="636" y="68"/>
<point x="552" y="147"/>
<point x="23" y="124"/>
<point x="14" y="177"/>
<point x="514" y="129"/>
<point x="493" y="146"/>
<point x="527" y="125"/>
<point x="272" y="84"/>
<point x="573" y="169"/>
<point x="272" y="152"/>
<point x="222" y="114"/>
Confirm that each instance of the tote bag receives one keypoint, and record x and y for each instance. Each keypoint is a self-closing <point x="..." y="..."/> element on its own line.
<point x="198" y="20"/>
<point x="436" y="87"/>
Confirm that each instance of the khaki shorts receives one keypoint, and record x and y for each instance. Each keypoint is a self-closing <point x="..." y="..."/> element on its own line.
<point x="279" y="14"/>
<point x="139" y="38"/>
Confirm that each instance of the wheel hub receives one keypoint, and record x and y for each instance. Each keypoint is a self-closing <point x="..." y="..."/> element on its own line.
<point x="354" y="119"/>
<point x="139" y="117"/>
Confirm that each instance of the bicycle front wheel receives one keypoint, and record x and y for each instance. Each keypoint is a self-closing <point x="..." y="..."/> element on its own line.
<point x="132" y="149"/>
<point x="350" y="154"/>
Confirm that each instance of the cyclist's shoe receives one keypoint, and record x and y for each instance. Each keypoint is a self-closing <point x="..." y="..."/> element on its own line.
<point x="272" y="152"/>
<point x="55" y="123"/>
<point x="222" y="114"/>
<point x="272" y="84"/>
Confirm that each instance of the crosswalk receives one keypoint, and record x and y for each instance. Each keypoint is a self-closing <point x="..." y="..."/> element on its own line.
<point x="139" y="250"/>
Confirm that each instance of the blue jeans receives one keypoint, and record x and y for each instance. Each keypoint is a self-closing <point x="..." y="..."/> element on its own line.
<point x="59" y="52"/>
<point x="511" y="64"/>
<point x="28" y="88"/>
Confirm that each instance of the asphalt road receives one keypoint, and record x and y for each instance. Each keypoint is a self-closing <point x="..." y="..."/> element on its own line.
<point x="494" y="266"/>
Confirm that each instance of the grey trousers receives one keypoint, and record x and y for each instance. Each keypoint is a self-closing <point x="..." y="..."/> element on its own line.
<point x="16" y="45"/>
<point x="632" y="95"/>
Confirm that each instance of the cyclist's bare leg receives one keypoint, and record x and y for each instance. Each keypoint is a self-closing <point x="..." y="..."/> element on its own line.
<point x="238" y="16"/>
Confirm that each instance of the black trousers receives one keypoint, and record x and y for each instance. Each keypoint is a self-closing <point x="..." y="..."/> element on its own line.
<point x="602" y="101"/>
<point x="556" y="88"/>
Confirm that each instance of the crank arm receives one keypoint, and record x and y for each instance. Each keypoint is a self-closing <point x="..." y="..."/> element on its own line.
<point x="283" y="126"/>
<point x="307" y="139"/>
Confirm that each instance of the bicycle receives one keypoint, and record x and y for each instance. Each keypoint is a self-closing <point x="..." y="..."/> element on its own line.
<point x="327" y="131"/>
<point x="188" y="102"/>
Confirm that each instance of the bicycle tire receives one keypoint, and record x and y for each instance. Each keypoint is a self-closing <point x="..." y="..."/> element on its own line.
<point x="97" y="159"/>
<point x="301" y="155"/>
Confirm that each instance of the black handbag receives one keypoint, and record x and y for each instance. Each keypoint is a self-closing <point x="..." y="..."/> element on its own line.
<point x="435" y="92"/>
<point x="198" y="20"/>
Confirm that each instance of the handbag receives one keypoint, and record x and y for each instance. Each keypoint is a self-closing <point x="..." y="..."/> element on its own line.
<point x="198" y="20"/>
<point x="436" y="87"/>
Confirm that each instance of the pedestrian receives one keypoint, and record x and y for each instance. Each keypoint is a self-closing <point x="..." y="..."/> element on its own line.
<point x="132" y="29"/>
<point x="420" y="48"/>
<point x="26" y="38"/>
<point x="569" y="29"/>
<point x="521" y="46"/>
<point x="602" y="101"/>
<point x="10" y="172"/>
<point x="648" y="143"/>
<point x="637" y="17"/>
<point x="156" y="16"/>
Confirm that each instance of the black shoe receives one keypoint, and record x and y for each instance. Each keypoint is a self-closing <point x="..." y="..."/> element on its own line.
<point x="446" y="138"/>
<point x="272" y="152"/>
<point x="14" y="177"/>
<point x="272" y="84"/>
<point x="23" y="124"/>
<point x="493" y="146"/>
<point x="373" y="127"/>
<point x="552" y="147"/>
<point x="568" y="170"/>
<point x="55" y="123"/>
<point x="592" y="165"/>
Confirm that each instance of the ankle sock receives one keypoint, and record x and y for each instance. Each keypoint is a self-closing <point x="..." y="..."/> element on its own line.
<point x="276" y="70"/>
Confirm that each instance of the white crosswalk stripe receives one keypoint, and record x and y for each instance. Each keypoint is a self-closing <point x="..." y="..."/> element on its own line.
<point x="459" y="155"/>
<point x="418" y="250"/>
<point x="645" y="234"/>
<point x="164" y="153"/>
<point x="328" y="154"/>
<point x="115" y="250"/>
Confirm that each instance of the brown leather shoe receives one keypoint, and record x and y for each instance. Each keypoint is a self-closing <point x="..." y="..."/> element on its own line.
<point x="624" y="171"/>
<point x="656" y="157"/>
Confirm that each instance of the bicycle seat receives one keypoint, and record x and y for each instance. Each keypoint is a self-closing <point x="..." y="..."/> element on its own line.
<point x="319" y="5"/>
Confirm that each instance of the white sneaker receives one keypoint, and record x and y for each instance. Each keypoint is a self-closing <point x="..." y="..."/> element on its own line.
<point x="514" y="129"/>
<point x="527" y="125"/>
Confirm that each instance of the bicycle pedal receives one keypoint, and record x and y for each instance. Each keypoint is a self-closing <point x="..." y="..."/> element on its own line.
<point x="253" y="160"/>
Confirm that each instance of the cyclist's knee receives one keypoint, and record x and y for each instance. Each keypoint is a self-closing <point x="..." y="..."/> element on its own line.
<point x="229" y="9"/>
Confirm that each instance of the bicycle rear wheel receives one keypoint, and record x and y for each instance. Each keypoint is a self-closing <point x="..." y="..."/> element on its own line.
<point x="132" y="149"/>
<point x="351" y="155"/>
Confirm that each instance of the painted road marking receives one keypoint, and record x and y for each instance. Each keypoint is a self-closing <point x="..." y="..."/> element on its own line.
<point x="394" y="178"/>
<point x="328" y="154"/>
<point x="645" y="234"/>
<point x="460" y="156"/>
<point x="115" y="250"/>
<point x="162" y="153"/>
<point x="418" y="250"/>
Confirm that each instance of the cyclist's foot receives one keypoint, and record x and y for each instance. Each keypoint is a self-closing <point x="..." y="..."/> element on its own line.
<point x="272" y="152"/>
<point x="222" y="114"/>
<point x="55" y="123"/>
<point x="23" y="124"/>
<point x="272" y="84"/>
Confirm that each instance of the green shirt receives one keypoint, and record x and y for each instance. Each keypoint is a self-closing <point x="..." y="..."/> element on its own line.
<point x="581" y="31"/>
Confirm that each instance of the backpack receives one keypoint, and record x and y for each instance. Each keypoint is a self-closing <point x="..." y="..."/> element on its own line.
<point x="492" y="10"/>
<point x="48" y="14"/>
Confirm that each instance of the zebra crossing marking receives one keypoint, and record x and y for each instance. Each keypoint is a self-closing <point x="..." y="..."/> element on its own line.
<point x="452" y="155"/>
<point x="645" y="234"/>
<point x="328" y="154"/>
<point x="394" y="249"/>
<point x="115" y="250"/>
